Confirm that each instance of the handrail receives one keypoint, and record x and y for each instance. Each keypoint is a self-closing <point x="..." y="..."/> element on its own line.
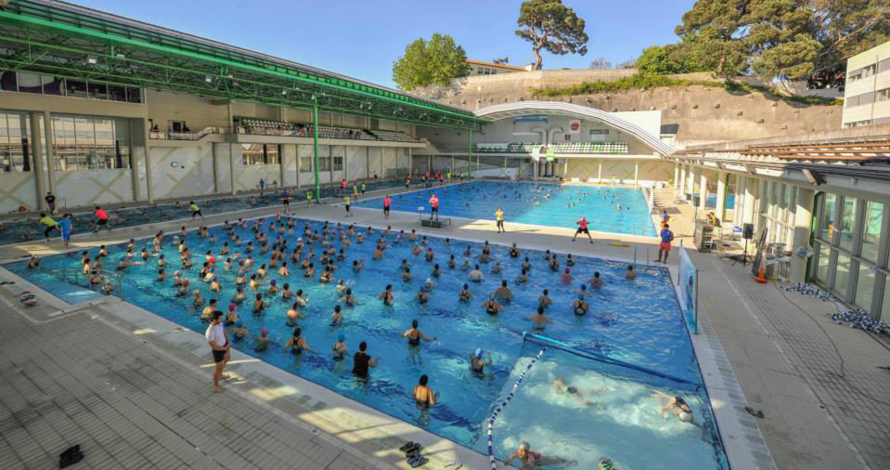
<point x="170" y="135"/>
<point x="105" y="274"/>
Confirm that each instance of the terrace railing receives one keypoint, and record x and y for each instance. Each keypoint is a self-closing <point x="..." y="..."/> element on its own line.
<point x="112" y="282"/>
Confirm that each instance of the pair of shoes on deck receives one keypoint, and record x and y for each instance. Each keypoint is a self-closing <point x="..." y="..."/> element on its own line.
<point x="412" y="454"/>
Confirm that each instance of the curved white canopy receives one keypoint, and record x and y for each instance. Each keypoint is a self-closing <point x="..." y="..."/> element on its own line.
<point x="557" y="108"/>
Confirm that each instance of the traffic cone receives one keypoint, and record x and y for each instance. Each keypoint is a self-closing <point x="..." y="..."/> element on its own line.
<point x="761" y="277"/>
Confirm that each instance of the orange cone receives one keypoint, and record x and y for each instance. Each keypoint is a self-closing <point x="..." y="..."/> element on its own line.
<point x="761" y="277"/>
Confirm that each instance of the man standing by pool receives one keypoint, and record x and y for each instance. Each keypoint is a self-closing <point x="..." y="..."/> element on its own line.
<point x="101" y="219"/>
<point x="667" y="236"/>
<point x="499" y="216"/>
<point x="218" y="340"/>
<point x="582" y="228"/>
<point x="262" y="186"/>
<point x="387" y="201"/>
<point x="434" y="207"/>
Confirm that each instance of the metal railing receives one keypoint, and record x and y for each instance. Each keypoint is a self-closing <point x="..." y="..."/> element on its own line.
<point x="109" y="278"/>
<point x="170" y="135"/>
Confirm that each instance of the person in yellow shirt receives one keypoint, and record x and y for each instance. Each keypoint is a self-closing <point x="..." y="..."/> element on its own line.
<point x="499" y="216"/>
<point x="49" y="223"/>
<point x="346" y="204"/>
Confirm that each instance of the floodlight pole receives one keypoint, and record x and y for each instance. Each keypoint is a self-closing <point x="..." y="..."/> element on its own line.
<point x="315" y="146"/>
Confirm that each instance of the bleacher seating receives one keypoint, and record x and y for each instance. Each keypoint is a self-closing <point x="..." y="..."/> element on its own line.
<point x="391" y="136"/>
<point x="566" y="147"/>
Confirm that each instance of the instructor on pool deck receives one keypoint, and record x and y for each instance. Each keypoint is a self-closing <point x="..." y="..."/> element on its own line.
<point x="434" y="207"/>
<point x="582" y="228"/>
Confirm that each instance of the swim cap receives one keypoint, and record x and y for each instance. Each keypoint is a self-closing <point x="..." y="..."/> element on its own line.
<point x="341" y="337"/>
<point x="685" y="417"/>
<point x="239" y="323"/>
<point x="524" y="445"/>
<point x="479" y="353"/>
<point x="232" y="306"/>
<point x="273" y="282"/>
<point x="264" y="331"/>
<point x="605" y="464"/>
<point x="185" y="282"/>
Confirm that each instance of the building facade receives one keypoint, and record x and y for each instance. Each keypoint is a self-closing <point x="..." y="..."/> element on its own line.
<point x="867" y="92"/>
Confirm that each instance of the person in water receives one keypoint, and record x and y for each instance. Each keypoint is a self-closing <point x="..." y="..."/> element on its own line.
<point x="297" y="344"/>
<point x="414" y="335"/>
<point x="562" y="388"/>
<point x="362" y="362"/>
<point x="424" y="396"/>
<point x="477" y="364"/>
<point x="530" y="459"/>
<point x="540" y="320"/>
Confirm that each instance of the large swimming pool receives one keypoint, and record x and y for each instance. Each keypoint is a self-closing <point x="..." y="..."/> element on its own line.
<point x="636" y="322"/>
<point x="21" y="230"/>
<point x="616" y="210"/>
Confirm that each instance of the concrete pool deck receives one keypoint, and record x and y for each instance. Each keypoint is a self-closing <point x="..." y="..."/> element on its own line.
<point x="95" y="373"/>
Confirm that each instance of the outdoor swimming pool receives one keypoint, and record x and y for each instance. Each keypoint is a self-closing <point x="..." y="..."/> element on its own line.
<point x="528" y="203"/>
<point x="636" y="322"/>
<point x="19" y="230"/>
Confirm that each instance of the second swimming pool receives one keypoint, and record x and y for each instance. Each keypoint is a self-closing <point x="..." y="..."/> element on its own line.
<point x="616" y="210"/>
<point x="636" y="322"/>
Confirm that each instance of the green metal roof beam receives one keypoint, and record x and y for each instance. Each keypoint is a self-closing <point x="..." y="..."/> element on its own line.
<point x="279" y="72"/>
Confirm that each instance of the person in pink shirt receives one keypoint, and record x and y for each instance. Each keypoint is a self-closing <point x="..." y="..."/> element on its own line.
<point x="387" y="201"/>
<point x="434" y="207"/>
<point x="101" y="219"/>
<point x="582" y="228"/>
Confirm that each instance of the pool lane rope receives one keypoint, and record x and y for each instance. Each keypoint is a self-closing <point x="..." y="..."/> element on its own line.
<point x="497" y="411"/>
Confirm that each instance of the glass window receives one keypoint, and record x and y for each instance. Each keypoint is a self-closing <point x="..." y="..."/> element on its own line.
<point x="134" y="95"/>
<point x="273" y="154"/>
<point x="252" y="154"/>
<point x="305" y="164"/>
<point x="848" y="215"/>
<point x="842" y="274"/>
<point x="324" y="164"/>
<point x="871" y="232"/>
<point x="824" y="261"/>
<point x="338" y="163"/>
<point x="13" y="147"/>
<point x="85" y="143"/>
<point x="117" y="93"/>
<point x="829" y="211"/>
<point x="97" y="91"/>
<point x="865" y="286"/>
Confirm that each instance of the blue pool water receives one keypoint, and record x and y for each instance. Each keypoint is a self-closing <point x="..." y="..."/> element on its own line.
<point x="20" y="230"/>
<point x="528" y="203"/>
<point x="637" y="322"/>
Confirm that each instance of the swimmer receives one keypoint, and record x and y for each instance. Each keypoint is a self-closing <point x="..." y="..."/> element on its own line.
<point x="348" y="298"/>
<point x="580" y="306"/>
<point x="465" y="294"/>
<point x="477" y="364"/>
<point x="497" y="268"/>
<point x="362" y="362"/>
<point x="197" y="299"/>
<point x="503" y="292"/>
<point x="340" y="350"/>
<point x="476" y="274"/>
<point x="514" y="252"/>
<point x="240" y="331"/>
<point x="424" y="396"/>
<point x="566" y="276"/>
<point x="526" y="264"/>
<point x="597" y="282"/>
<point x="293" y="314"/>
<point x="491" y="306"/>
<point x="387" y="295"/>
<point x="530" y="459"/>
<point x="406" y="276"/>
<point x="231" y="315"/>
<point x="207" y="314"/>
<point x="239" y="296"/>
<point x="544" y="300"/>
<point x="424" y="295"/>
<point x="630" y="274"/>
<point x="414" y="335"/>
<point x="540" y="320"/>
<point x="259" y="305"/>
<point x="297" y="344"/>
<point x="562" y="388"/>
<point x="337" y="316"/>
<point x="569" y="260"/>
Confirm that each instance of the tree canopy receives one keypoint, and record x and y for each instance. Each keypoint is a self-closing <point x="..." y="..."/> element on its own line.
<point x="789" y="39"/>
<point x="600" y="63"/>
<point x="433" y="62"/>
<point x="552" y="26"/>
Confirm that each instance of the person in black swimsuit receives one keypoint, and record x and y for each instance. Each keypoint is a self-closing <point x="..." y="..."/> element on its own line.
<point x="414" y="335"/>
<point x="362" y="362"/>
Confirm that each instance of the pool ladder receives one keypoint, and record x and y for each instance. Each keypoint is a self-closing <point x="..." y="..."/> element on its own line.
<point x="110" y="278"/>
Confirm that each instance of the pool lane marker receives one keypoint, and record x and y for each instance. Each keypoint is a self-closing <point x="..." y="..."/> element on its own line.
<point x="497" y="411"/>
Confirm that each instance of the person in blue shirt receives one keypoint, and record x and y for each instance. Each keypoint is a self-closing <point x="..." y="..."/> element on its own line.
<point x="66" y="225"/>
<point x="262" y="185"/>
<point x="285" y="200"/>
<point x="665" y="247"/>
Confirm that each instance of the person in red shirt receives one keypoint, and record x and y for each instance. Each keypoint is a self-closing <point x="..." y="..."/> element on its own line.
<point x="434" y="207"/>
<point x="387" y="201"/>
<point x="582" y="228"/>
<point x="101" y="219"/>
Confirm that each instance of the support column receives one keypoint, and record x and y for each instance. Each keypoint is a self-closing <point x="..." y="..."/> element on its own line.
<point x="702" y="189"/>
<point x="681" y="188"/>
<point x="690" y="180"/>
<point x="149" y="191"/>
<point x="470" y="153"/>
<point x="281" y="168"/>
<point x="636" y="172"/>
<point x="134" y="162"/>
<point x="214" y="156"/>
<point x="232" y="168"/>
<point x="368" y="162"/>
<point x="803" y="218"/>
<point x="50" y="151"/>
<point x="315" y="145"/>
<point x="37" y="159"/>
<point x="750" y="187"/>
<point x="599" y="171"/>
<point x="676" y="174"/>
<point x="720" y="207"/>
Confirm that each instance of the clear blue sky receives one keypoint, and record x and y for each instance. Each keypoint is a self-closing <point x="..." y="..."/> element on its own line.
<point x="362" y="38"/>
